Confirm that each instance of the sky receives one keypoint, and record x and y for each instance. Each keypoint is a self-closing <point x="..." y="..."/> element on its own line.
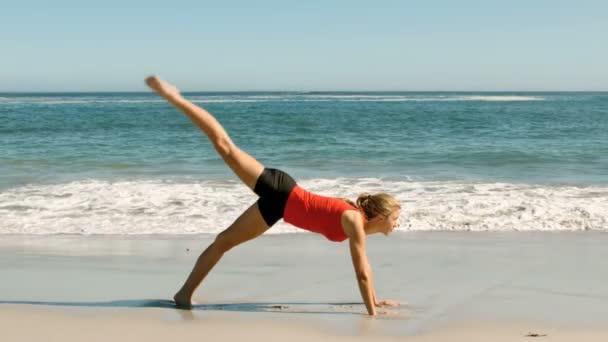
<point x="432" y="45"/>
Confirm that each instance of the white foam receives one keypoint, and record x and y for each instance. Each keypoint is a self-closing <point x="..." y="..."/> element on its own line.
<point x="354" y="96"/>
<point x="450" y="99"/>
<point x="274" y="98"/>
<point x="60" y="101"/>
<point x="161" y="207"/>
<point x="500" y="98"/>
<point x="425" y="98"/>
<point x="225" y="100"/>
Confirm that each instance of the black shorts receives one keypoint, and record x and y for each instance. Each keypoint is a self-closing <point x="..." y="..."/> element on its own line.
<point x="273" y="186"/>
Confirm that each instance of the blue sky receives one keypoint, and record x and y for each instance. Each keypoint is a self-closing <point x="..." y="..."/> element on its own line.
<point x="304" y="45"/>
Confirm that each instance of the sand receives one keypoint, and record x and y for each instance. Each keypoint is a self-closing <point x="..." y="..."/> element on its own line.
<point x="453" y="286"/>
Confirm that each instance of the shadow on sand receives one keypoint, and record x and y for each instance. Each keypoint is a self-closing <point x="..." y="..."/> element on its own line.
<point x="293" y="308"/>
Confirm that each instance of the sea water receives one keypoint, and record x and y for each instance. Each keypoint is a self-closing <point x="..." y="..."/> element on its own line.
<point x="130" y="163"/>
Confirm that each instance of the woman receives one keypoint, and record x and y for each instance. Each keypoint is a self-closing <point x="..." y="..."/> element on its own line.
<point x="280" y="197"/>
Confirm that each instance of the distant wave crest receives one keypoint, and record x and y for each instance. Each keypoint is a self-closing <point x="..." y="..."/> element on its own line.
<point x="67" y="100"/>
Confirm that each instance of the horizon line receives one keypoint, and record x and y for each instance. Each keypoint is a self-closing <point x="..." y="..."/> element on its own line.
<point x="298" y="91"/>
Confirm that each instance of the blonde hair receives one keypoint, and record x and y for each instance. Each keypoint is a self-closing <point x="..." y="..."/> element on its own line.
<point x="376" y="204"/>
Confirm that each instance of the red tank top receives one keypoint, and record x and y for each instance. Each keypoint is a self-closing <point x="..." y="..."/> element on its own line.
<point x="316" y="213"/>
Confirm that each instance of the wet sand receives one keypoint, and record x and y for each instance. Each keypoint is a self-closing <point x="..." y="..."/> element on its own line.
<point x="499" y="286"/>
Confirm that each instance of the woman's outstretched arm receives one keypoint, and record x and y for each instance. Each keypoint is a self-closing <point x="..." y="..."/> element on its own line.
<point x="353" y="227"/>
<point x="381" y="303"/>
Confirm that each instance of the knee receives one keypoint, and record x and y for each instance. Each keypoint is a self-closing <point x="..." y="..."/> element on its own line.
<point x="223" y="145"/>
<point x="223" y="243"/>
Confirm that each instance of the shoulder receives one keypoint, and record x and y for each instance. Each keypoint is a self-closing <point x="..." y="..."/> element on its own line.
<point x="352" y="223"/>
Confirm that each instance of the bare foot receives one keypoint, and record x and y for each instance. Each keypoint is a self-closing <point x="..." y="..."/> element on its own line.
<point x="163" y="88"/>
<point x="182" y="302"/>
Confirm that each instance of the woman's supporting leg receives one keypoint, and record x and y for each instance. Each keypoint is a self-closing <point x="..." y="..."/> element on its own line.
<point x="247" y="168"/>
<point x="246" y="227"/>
<point x="251" y="223"/>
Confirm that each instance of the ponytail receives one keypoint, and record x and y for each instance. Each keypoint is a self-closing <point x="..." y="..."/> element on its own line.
<point x="375" y="205"/>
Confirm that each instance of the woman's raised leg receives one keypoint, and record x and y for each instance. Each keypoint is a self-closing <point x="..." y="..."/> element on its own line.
<point x="247" y="168"/>
<point x="246" y="227"/>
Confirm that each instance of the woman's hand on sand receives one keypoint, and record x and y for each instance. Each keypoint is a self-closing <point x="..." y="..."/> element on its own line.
<point x="384" y="303"/>
<point x="164" y="89"/>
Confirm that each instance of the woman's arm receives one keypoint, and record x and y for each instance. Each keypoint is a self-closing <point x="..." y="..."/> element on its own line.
<point x="353" y="227"/>
<point x="381" y="303"/>
<point x="373" y="291"/>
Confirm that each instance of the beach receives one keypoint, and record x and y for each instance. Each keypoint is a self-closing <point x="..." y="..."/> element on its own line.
<point x="484" y="124"/>
<point x="491" y="285"/>
<point x="107" y="199"/>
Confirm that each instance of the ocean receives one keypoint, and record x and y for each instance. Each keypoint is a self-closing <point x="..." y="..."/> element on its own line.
<point x="129" y="163"/>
